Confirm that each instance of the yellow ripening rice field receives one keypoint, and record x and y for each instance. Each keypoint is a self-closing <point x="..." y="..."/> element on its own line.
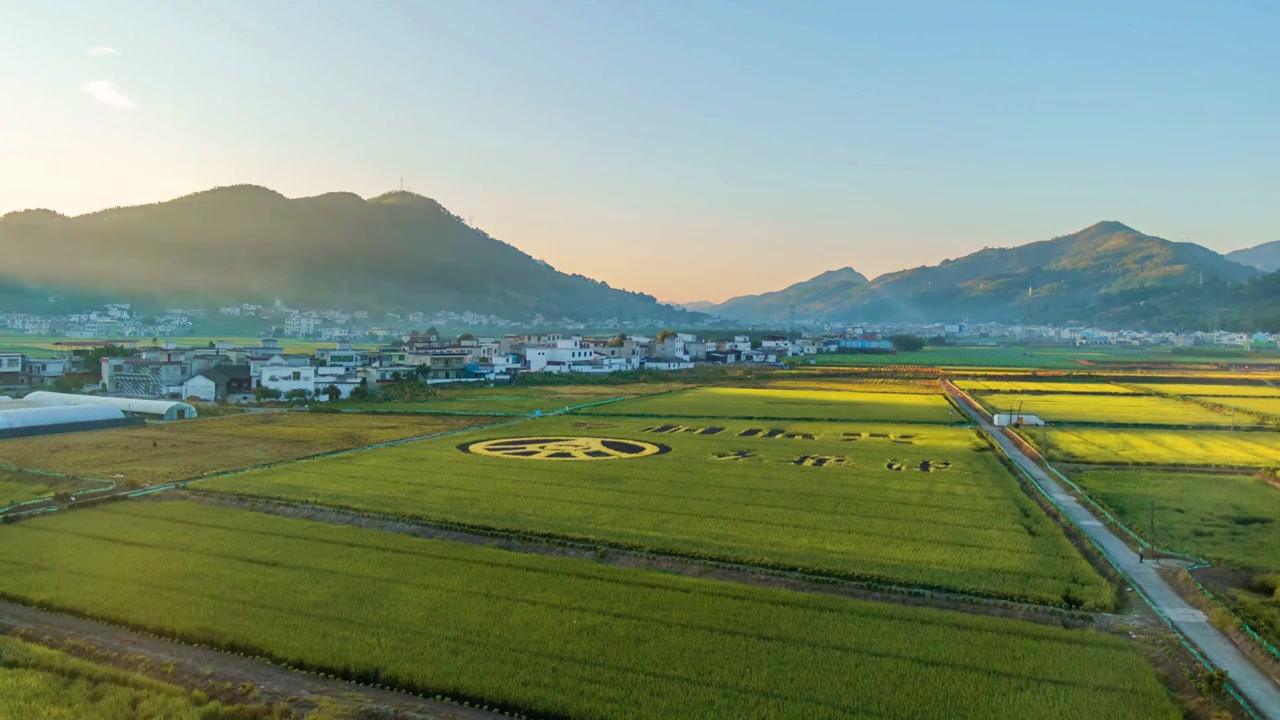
<point x="1113" y="410"/>
<point x="1145" y="446"/>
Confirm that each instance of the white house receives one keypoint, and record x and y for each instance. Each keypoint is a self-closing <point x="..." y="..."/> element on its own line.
<point x="559" y="357"/>
<point x="287" y="377"/>
<point x="668" y="363"/>
<point x="200" y="387"/>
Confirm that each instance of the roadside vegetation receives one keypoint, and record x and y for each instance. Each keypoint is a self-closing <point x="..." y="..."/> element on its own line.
<point x="36" y="682"/>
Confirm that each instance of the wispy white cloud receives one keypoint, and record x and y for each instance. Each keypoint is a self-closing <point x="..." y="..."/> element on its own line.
<point x="108" y="93"/>
<point x="102" y="50"/>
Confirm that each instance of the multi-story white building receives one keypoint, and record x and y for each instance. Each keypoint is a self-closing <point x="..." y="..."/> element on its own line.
<point x="300" y="325"/>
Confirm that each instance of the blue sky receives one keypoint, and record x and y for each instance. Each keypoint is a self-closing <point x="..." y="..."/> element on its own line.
<point x="691" y="150"/>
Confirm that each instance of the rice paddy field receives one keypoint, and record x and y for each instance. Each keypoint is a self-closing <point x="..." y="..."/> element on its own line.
<point x="164" y="452"/>
<point x="1119" y="410"/>
<point x="519" y="399"/>
<point x="543" y="635"/>
<point x="1146" y="446"/>
<point x="1227" y="518"/>
<point x="723" y="402"/>
<point x="1046" y="386"/>
<point x="1212" y="389"/>
<point x="925" y="505"/>
<point x="36" y="682"/>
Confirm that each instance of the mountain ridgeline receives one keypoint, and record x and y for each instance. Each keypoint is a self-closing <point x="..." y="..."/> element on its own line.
<point x="395" y="252"/>
<point x="1265" y="257"/>
<point x="1106" y="273"/>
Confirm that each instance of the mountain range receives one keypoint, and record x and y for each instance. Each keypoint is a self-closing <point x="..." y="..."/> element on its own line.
<point x="394" y="252"/>
<point x="1265" y="257"/>
<point x="402" y="252"/>
<point x="1105" y="273"/>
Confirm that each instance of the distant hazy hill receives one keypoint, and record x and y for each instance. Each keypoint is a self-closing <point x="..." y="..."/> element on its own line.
<point x="1265" y="257"/>
<point x="810" y="298"/>
<point x="398" y="251"/>
<point x="1075" y="277"/>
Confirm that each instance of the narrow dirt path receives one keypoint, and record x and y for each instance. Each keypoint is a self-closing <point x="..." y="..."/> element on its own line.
<point x="1254" y="685"/>
<point x="274" y="683"/>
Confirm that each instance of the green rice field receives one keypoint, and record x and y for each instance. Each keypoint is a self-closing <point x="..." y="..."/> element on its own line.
<point x="554" y="636"/>
<point x="721" y="402"/>
<point x="1227" y="518"/>
<point x="1119" y="410"/>
<point x="914" y="504"/>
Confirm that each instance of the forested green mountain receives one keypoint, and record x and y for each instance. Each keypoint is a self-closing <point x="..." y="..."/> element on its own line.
<point x="1265" y="257"/>
<point x="395" y="252"/>
<point x="807" y="298"/>
<point x="1086" y="276"/>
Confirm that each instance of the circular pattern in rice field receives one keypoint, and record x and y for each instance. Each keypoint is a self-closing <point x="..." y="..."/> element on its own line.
<point x="564" y="448"/>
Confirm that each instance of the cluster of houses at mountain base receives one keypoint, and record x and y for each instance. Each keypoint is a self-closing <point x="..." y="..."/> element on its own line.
<point x="227" y="371"/>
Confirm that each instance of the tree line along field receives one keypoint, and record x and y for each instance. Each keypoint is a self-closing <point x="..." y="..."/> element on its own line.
<point x="1045" y="386"/>
<point x="1035" y="357"/>
<point x="518" y="399"/>
<point x="1147" y="446"/>
<point x="1262" y="405"/>
<point x="1211" y="389"/>
<point x="843" y="384"/>
<point x="921" y="505"/>
<point x="551" y="636"/>
<point x="725" y="402"/>
<point x="1118" y="410"/>
<point x="164" y="452"/>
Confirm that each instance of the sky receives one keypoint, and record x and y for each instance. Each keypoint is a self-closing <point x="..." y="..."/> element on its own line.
<point x="692" y="150"/>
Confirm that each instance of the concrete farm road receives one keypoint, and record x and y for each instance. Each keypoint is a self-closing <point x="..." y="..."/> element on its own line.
<point x="1256" y="687"/>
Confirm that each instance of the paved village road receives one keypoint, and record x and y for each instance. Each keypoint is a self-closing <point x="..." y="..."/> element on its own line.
<point x="1256" y="687"/>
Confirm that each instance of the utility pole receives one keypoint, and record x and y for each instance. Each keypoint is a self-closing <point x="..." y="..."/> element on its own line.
<point x="1153" y="522"/>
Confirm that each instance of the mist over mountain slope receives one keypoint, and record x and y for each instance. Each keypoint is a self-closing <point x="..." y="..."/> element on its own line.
<point x="1079" y="277"/>
<point x="807" y="298"/>
<point x="394" y="252"/>
<point x="1265" y="257"/>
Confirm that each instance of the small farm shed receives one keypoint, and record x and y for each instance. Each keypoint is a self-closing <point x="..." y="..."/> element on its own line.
<point x="1007" y="419"/>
